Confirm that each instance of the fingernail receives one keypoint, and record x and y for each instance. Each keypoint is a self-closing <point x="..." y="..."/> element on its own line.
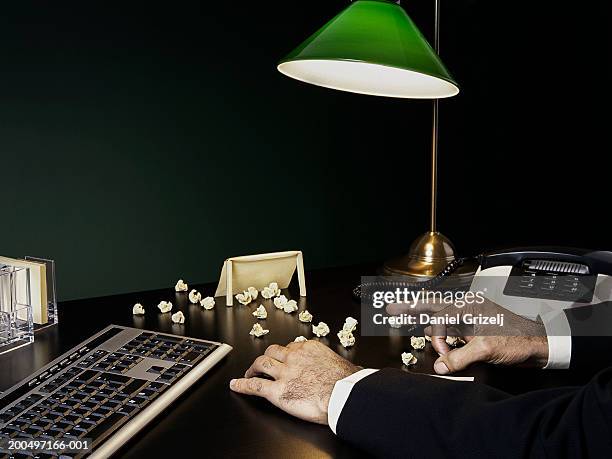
<point x="232" y="382"/>
<point x="441" y="368"/>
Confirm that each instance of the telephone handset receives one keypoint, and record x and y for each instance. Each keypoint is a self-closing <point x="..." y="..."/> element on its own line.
<point x="525" y="280"/>
<point x="385" y="283"/>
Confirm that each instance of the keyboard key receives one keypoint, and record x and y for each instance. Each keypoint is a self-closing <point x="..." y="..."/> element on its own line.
<point x="112" y="404"/>
<point x="97" y="417"/>
<point x="14" y="426"/>
<point x="45" y="456"/>
<point x="155" y="369"/>
<point x="127" y="409"/>
<point x="190" y="357"/>
<point x="56" y="432"/>
<point x="104" y="410"/>
<point x="147" y="393"/>
<point x="47" y="404"/>
<point x="30" y="400"/>
<point x="139" y="401"/>
<point x="63" y="426"/>
<point x="201" y="346"/>
<point x="72" y="418"/>
<point x="88" y="405"/>
<point x="53" y="416"/>
<point x="34" y="431"/>
<point x="133" y="386"/>
<point x="96" y="399"/>
<point x="116" y="378"/>
<point x="120" y="397"/>
<point x="157" y="387"/>
<point x="172" y="339"/>
<point x="87" y="390"/>
<point x="29" y="416"/>
<point x="86" y="376"/>
<point x="12" y="412"/>
<point x="19" y="407"/>
<point x="78" y="431"/>
<point x="106" y="425"/>
<point x="90" y="419"/>
<point x="106" y="392"/>
<point x="97" y="384"/>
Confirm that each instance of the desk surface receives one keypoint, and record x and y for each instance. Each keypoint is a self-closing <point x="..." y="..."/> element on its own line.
<point x="213" y="418"/>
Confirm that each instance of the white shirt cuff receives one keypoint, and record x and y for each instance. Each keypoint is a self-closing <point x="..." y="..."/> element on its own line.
<point x="340" y="394"/>
<point x="559" y="337"/>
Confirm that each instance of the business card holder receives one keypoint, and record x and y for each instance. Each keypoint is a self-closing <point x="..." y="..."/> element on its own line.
<point x="28" y="300"/>
<point x="52" y="316"/>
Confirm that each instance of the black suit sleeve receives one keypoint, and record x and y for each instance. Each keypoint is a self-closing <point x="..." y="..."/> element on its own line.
<point x="591" y="329"/>
<point x="392" y="413"/>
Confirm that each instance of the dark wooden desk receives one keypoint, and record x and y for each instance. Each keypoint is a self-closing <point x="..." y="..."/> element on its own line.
<point x="224" y="424"/>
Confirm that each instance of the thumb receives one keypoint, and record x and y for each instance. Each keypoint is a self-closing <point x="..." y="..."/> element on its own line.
<point x="459" y="359"/>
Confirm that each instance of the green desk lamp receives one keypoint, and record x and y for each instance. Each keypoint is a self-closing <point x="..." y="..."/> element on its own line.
<point x="373" y="47"/>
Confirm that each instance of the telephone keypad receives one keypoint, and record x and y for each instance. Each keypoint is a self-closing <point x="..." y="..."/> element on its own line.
<point x="526" y="282"/>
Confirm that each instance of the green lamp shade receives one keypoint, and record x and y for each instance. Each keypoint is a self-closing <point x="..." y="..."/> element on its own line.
<point x="372" y="47"/>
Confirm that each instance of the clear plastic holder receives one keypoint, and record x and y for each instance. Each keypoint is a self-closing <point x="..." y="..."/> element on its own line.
<point x="16" y="325"/>
<point x="52" y="315"/>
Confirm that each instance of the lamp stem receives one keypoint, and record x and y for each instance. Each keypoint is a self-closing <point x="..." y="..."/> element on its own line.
<point x="434" y="168"/>
<point x="434" y="140"/>
<point x="431" y="252"/>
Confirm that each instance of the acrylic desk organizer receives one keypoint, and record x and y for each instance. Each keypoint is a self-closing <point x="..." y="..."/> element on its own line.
<point x="51" y="293"/>
<point x="17" y="318"/>
<point x="16" y="326"/>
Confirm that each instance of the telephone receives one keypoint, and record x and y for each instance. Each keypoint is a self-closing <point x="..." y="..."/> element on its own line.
<point x="527" y="281"/>
<point x="535" y="281"/>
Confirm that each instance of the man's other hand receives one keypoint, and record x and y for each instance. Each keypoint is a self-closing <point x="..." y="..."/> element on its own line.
<point x="526" y="351"/>
<point x="302" y="375"/>
<point x="524" y="342"/>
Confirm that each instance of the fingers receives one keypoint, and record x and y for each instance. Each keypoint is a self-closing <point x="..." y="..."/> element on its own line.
<point x="253" y="386"/>
<point x="440" y="345"/>
<point x="438" y="335"/>
<point x="277" y="352"/>
<point x="265" y="365"/>
<point x="461" y="358"/>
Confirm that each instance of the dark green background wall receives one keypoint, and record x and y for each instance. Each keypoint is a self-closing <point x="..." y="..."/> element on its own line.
<point x="143" y="143"/>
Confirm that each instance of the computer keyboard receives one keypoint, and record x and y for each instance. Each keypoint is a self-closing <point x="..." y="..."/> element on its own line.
<point x="101" y="392"/>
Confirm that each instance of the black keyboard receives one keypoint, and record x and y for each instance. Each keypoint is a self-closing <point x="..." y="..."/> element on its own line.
<point x="95" y="397"/>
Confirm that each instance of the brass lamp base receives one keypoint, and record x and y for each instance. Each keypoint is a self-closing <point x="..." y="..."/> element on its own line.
<point x="429" y="254"/>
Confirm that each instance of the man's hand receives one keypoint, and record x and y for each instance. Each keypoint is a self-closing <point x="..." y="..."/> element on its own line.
<point x="500" y="350"/>
<point x="524" y="342"/>
<point x="304" y="375"/>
